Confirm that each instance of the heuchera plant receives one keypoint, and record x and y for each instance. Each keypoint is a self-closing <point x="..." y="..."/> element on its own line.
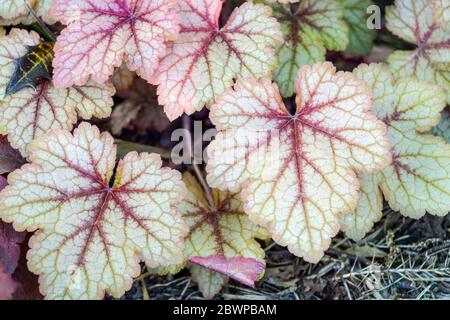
<point x="418" y="179"/>
<point x="302" y="150"/>
<point x="320" y="146"/>
<point x="85" y="224"/>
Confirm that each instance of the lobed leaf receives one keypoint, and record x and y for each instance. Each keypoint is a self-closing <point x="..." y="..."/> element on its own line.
<point x="418" y="179"/>
<point x="100" y="35"/>
<point x="204" y="60"/>
<point x="310" y="28"/>
<point x="92" y="234"/>
<point x="220" y="238"/>
<point x="297" y="171"/>
<point x="14" y="12"/>
<point x="424" y="24"/>
<point x="31" y="113"/>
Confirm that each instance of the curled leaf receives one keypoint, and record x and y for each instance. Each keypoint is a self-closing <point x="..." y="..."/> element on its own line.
<point x="17" y="12"/>
<point x="92" y="234"/>
<point x="31" y="113"/>
<point x="244" y="270"/>
<point x="204" y="60"/>
<point x="297" y="171"/>
<point x="425" y="24"/>
<point x="310" y="28"/>
<point x="100" y="35"/>
<point x="418" y="179"/>
<point x="220" y="237"/>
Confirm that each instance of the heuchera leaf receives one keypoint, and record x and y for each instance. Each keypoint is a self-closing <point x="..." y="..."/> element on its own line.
<point x="245" y="270"/>
<point x="297" y="171"/>
<point x="205" y="58"/>
<point x="425" y="24"/>
<point x="360" y="36"/>
<point x="16" y="11"/>
<point x="221" y="237"/>
<point x="7" y="285"/>
<point x="10" y="159"/>
<point x="443" y="128"/>
<point x="310" y="28"/>
<point x="31" y="113"/>
<point x="140" y="110"/>
<point x="418" y="179"/>
<point x="91" y="235"/>
<point x="101" y="34"/>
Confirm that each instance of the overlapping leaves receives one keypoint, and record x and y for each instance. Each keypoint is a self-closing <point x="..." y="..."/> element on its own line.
<point x="418" y="179"/>
<point x="310" y="28"/>
<point x="30" y="112"/>
<point x="204" y="60"/>
<point x="297" y="171"/>
<point x="91" y="235"/>
<point x="426" y="24"/>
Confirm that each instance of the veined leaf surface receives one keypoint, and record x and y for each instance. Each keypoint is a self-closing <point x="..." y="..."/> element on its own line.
<point x="92" y="233"/>
<point x="297" y="171"/>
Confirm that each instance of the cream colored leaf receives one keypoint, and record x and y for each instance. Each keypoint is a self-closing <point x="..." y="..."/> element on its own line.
<point x="92" y="234"/>
<point x="425" y="24"/>
<point x="418" y="180"/>
<point x="204" y="60"/>
<point x="30" y="112"/>
<point x="221" y="231"/>
<point x="310" y="28"/>
<point x="297" y="171"/>
<point x="369" y="210"/>
<point x="209" y="282"/>
<point x="16" y="11"/>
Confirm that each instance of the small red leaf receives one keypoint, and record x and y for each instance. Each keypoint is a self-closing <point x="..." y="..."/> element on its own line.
<point x="244" y="270"/>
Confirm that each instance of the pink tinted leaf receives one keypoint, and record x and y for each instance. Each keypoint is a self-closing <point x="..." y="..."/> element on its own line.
<point x="102" y="34"/>
<point x="10" y="159"/>
<point x="205" y="58"/>
<point x="244" y="270"/>
<point x="297" y="171"/>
